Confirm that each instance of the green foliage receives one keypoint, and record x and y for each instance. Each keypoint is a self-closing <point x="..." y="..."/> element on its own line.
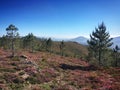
<point x="4" y="42"/>
<point x="32" y="80"/>
<point x="17" y="42"/>
<point x="16" y="58"/>
<point x="29" y="42"/>
<point x="42" y="44"/>
<point x="45" y="87"/>
<point x="99" y="42"/>
<point x="116" y="56"/>
<point x="21" y="73"/>
<point x="43" y="63"/>
<point x="7" y="70"/>
<point x="16" y="86"/>
<point x="76" y="50"/>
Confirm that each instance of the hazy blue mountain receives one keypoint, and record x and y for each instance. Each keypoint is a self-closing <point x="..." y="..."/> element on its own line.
<point x="81" y="40"/>
<point x="116" y="41"/>
<point x="59" y="39"/>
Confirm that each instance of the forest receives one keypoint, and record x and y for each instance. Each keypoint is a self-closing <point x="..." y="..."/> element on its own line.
<point x="34" y="63"/>
<point x="97" y="51"/>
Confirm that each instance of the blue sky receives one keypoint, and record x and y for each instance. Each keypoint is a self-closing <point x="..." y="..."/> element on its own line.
<point x="60" y="18"/>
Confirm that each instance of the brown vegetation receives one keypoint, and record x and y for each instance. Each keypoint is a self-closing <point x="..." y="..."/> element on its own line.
<point x="45" y="71"/>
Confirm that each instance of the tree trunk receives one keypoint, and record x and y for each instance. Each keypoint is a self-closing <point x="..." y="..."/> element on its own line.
<point x="12" y="47"/>
<point x="116" y="60"/>
<point x="100" y="56"/>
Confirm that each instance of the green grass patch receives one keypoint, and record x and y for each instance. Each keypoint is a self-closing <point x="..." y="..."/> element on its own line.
<point x="45" y="86"/>
<point x="7" y="70"/>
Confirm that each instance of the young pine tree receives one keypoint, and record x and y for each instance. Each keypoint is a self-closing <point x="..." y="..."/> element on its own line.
<point x="99" y="42"/>
<point x="116" y="55"/>
<point x="62" y="46"/>
<point x="48" y="45"/>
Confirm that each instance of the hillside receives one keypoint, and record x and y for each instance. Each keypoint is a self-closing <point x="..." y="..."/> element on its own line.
<point x="82" y="40"/>
<point x="45" y="71"/>
<point x="71" y="49"/>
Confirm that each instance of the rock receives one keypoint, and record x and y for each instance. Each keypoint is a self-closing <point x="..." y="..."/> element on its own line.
<point x="25" y="76"/>
<point x="23" y="57"/>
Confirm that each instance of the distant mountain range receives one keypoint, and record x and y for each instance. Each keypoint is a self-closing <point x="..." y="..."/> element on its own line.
<point x="82" y="40"/>
<point x="116" y="41"/>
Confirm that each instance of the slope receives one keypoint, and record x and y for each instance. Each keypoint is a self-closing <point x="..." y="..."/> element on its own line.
<point x="71" y="49"/>
<point x="45" y="71"/>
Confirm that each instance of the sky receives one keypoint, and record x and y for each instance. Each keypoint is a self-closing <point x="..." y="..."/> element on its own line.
<point x="60" y="18"/>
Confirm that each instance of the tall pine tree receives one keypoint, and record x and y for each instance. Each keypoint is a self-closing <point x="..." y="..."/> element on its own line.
<point x="12" y="33"/>
<point x="99" y="42"/>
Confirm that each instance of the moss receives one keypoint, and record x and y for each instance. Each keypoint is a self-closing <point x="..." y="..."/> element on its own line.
<point x="7" y="70"/>
<point x="14" y="86"/>
<point x="33" y="80"/>
<point x="22" y="73"/>
<point x="16" y="58"/>
<point x="45" y="87"/>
